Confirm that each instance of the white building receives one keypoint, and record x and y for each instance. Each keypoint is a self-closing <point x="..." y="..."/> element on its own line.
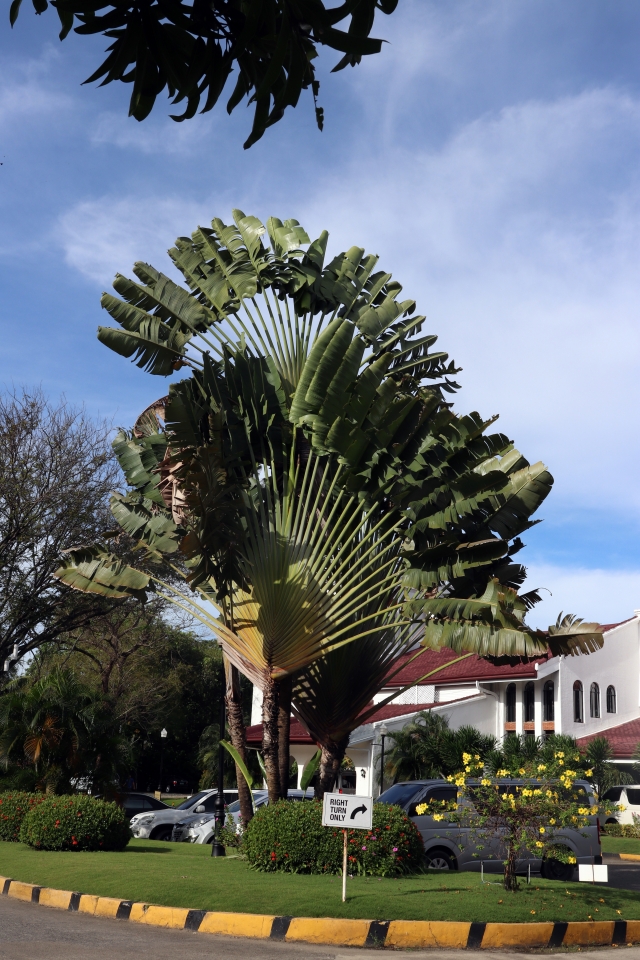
<point x="582" y="696"/>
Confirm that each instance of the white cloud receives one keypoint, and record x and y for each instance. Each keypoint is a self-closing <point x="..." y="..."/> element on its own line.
<point x="104" y="237"/>
<point x="519" y="238"/>
<point x="26" y="93"/>
<point x="600" y="596"/>
<point x="153" y="136"/>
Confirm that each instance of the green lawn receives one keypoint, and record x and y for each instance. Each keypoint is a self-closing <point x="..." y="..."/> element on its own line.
<point x="182" y="875"/>
<point x="620" y="845"/>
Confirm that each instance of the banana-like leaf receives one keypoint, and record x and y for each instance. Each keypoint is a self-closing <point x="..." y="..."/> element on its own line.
<point x="95" y="570"/>
<point x="155" y="348"/>
<point x="240" y="764"/>
<point x="309" y="770"/>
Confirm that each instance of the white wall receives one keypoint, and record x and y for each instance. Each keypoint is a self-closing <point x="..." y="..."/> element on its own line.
<point x="617" y="663"/>
<point x="256" y="706"/>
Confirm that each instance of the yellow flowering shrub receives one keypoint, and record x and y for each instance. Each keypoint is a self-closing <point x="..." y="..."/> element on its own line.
<point x="526" y="806"/>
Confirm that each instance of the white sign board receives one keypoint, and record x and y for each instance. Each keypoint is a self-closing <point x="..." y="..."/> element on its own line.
<point x="596" y="873"/>
<point x="345" y="810"/>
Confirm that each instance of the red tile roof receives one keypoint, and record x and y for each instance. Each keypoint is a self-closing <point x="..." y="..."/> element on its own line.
<point x="298" y="733"/>
<point x="623" y="739"/>
<point x="611" y="626"/>
<point x="469" y="670"/>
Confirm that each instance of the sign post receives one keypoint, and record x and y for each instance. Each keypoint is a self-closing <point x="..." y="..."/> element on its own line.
<point x="348" y="813"/>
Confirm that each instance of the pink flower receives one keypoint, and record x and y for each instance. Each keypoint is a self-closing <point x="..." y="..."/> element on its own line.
<point x="395" y="849"/>
<point x="364" y="848"/>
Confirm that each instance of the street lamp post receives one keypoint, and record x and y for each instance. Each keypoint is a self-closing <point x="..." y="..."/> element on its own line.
<point x="217" y="848"/>
<point x="163" y="737"/>
<point x="383" y="734"/>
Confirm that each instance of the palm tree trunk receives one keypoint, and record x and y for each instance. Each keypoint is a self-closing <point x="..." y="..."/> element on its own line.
<point x="270" y="737"/>
<point x="284" y="727"/>
<point x="237" y="732"/>
<point x="332" y="755"/>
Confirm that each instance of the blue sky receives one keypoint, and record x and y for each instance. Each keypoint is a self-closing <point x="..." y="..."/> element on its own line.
<point x="490" y="156"/>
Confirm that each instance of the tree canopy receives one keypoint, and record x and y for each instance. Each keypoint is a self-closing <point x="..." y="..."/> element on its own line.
<point x="192" y="49"/>
<point x="56" y="472"/>
<point x="310" y="478"/>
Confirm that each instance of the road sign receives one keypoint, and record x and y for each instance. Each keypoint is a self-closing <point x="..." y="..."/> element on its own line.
<point x="345" y="810"/>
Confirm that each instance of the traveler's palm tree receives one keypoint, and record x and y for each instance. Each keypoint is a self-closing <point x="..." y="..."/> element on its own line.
<point x="308" y="480"/>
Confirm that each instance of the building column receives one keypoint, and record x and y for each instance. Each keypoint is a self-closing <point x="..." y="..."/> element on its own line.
<point x="256" y="706"/>
<point x="538" y="707"/>
<point x="519" y="708"/>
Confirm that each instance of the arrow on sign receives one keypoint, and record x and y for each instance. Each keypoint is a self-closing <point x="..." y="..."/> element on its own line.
<point x="361" y="809"/>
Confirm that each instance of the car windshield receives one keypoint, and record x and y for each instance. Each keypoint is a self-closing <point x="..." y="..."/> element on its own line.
<point x="190" y="801"/>
<point x="234" y="807"/>
<point x="399" y="793"/>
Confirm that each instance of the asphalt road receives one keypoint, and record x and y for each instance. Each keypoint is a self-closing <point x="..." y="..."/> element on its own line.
<point x="624" y="876"/>
<point x="33" y="932"/>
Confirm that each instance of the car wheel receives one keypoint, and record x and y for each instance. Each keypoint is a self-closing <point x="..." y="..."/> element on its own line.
<point x="163" y="833"/>
<point x="552" y="869"/>
<point x="440" y="860"/>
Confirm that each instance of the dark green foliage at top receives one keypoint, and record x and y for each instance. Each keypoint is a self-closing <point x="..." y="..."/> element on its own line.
<point x="426" y="748"/>
<point x="14" y="806"/>
<point x="76" y="823"/>
<point x="192" y="49"/>
<point x="289" y="836"/>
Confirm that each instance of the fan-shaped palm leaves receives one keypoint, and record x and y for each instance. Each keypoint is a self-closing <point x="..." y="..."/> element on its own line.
<point x="308" y="478"/>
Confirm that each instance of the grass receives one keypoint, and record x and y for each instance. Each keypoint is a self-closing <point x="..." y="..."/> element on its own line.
<point x="620" y="845"/>
<point x="183" y="875"/>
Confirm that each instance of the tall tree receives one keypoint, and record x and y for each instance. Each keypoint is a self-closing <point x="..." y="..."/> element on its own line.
<point x="56" y="472"/>
<point x="192" y="49"/>
<point x="310" y="478"/>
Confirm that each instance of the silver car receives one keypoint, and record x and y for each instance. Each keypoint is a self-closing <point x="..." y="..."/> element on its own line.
<point x="200" y="829"/>
<point x="159" y="824"/>
<point x="454" y="846"/>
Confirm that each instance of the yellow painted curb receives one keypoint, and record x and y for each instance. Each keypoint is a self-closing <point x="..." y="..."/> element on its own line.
<point x="497" y="935"/>
<point x="21" y="891"/>
<point x="173" y="917"/>
<point x="332" y="930"/>
<point x="630" y="856"/>
<point x="55" y="898"/>
<point x="596" y="933"/>
<point x="348" y="933"/>
<point x="427" y="933"/>
<point x="237" y="924"/>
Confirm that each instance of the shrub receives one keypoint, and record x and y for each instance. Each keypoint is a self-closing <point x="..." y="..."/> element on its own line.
<point x="14" y="806"/>
<point x="76" y="823"/>
<point x="290" y="836"/>
<point x="621" y="830"/>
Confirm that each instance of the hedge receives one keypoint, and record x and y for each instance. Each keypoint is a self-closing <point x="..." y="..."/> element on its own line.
<point x="289" y="836"/>
<point x="76" y="823"/>
<point x="621" y="830"/>
<point x="14" y="806"/>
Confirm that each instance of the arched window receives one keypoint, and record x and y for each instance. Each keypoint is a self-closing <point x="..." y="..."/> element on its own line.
<point x="549" y="701"/>
<point x="511" y="703"/>
<point x="594" y="700"/>
<point x="529" y="700"/>
<point x="578" y="707"/>
<point x="612" y="700"/>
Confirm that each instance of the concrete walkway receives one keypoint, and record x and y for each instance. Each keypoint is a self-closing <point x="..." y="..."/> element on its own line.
<point x="33" y="932"/>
